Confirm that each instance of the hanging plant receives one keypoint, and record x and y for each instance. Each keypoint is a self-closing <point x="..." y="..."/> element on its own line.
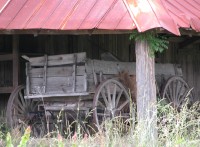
<point x="157" y="43"/>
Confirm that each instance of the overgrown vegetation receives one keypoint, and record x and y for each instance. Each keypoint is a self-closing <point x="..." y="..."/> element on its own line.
<point x="174" y="129"/>
<point x="157" y="42"/>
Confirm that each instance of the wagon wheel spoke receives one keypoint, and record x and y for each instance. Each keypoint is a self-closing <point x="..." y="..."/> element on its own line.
<point x="170" y="91"/>
<point x="173" y="88"/>
<point x="167" y="96"/>
<point x="115" y="97"/>
<point x="118" y="97"/>
<point x="20" y="104"/>
<point x="123" y="105"/>
<point x="18" y="109"/>
<point x="102" y="105"/>
<point x="183" y="97"/>
<point x="22" y="98"/>
<point x="175" y="91"/>
<point x="104" y="98"/>
<point x="179" y="92"/>
<point x="108" y="93"/>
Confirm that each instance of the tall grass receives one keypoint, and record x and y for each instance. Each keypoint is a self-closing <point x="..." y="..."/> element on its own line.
<point x="175" y="129"/>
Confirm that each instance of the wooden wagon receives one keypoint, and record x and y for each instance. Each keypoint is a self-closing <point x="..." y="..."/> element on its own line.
<point x="73" y="84"/>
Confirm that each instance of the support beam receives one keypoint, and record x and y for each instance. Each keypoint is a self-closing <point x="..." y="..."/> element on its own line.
<point x="6" y="89"/>
<point x="146" y="92"/>
<point x="6" y="57"/>
<point x="15" y="46"/>
<point x="189" y="41"/>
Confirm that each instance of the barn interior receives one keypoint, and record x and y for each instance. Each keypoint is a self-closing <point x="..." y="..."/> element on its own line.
<point x="183" y="50"/>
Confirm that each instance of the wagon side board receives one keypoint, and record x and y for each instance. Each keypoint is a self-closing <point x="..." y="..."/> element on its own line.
<point x="57" y="60"/>
<point x="60" y="75"/>
<point x="114" y="67"/>
<point x="111" y="69"/>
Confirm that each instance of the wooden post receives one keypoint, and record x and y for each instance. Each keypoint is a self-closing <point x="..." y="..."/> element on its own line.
<point x="146" y="91"/>
<point x="15" y="46"/>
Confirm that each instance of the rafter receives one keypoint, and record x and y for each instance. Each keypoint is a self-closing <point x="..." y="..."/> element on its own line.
<point x="188" y="41"/>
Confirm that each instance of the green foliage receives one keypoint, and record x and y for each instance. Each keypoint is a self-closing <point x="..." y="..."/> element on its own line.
<point x="60" y="141"/>
<point x="8" y="140"/>
<point x="25" y="137"/>
<point x="174" y="129"/>
<point x="157" y="43"/>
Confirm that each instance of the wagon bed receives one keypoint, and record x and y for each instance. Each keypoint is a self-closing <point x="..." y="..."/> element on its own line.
<point x="75" y="75"/>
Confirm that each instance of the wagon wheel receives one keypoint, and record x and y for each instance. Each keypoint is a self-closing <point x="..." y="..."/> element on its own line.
<point x="22" y="112"/>
<point x="111" y="99"/>
<point x="175" y="91"/>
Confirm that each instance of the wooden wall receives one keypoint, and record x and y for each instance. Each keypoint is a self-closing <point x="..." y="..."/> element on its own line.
<point x="189" y="59"/>
<point x="94" y="45"/>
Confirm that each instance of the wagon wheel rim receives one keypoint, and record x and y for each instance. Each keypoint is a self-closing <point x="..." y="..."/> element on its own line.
<point x="19" y="110"/>
<point x="176" y="91"/>
<point x="110" y="100"/>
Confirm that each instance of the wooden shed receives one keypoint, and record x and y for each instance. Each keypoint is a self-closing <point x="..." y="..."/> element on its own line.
<point x="104" y="27"/>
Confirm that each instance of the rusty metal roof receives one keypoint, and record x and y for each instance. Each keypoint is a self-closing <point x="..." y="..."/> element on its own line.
<point x="99" y="14"/>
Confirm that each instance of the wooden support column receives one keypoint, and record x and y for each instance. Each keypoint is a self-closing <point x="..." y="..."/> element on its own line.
<point x="146" y="91"/>
<point x="15" y="46"/>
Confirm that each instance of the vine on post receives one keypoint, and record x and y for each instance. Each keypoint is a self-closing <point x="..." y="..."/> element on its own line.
<point x="157" y="43"/>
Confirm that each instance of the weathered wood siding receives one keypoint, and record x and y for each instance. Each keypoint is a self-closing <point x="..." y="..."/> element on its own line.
<point x="189" y="60"/>
<point x="5" y="66"/>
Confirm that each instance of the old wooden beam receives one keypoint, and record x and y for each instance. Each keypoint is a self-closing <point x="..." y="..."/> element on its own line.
<point x="146" y="91"/>
<point x="6" y="57"/>
<point x="6" y="89"/>
<point x="188" y="41"/>
<point x="15" y="46"/>
<point x="59" y="32"/>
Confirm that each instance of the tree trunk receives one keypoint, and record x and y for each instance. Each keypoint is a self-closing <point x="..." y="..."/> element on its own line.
<point x="146" y="92"/>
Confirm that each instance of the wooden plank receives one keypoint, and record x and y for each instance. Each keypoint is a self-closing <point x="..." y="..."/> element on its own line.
<point x="27" y="79"/>
<point x="113" y="68"/>
<point x="15" y="60"/>
<point x="109" y="67"/>
<point x="57" y="84"/>
<point x="60" y="71"/>
<point x="45" y="73"/>
<point x="6" y="74"/>
<point x="68" y="106"/>
<point x="6" y="57"/>
<point x="49" y="95"/>
<point x="6" y="89"/>
<point x="58" y="59"/>
<point x="74" y="73"/>
<point x="70" y="99"/>
<point x="85" y="82"/>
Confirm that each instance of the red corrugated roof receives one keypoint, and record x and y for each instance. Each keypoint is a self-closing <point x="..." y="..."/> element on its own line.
<point x="99" y="14"/>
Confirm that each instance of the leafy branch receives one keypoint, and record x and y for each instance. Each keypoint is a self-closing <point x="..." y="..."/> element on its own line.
<point x="157" y="43"/>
